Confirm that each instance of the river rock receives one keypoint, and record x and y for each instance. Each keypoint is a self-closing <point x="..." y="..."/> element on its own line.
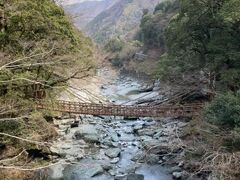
<point x="137" y="127"/>
<point x="160" y="161"/>
<point x="115" y="160"/>
<point x="106" y="166"/>
<point x="114" y="136"/>
<point x="66" y="146"/>
<point x="181" y="164"/>
<point x="112" y="172"/>
<point x="127" y="137"/>
<point x="114" y="144"/>
<point x="79" y="157"/>
<point x="149" y="143"/>
<point x="135" y="177"/>
<point x="150" y="122"/>
<point x="58" y="151"/>
<point x="147" y="132"/>
<point x="113" y="152"/>
<point x="107" y="141"/>
<point x="91" y="138"/>
<point x="120" y="176"/>
<point x="81" y="142"/>
<point x="139" y="156"/>
<point x="85" y="171"/>
<point x="175" y="169"/>
<point x="158" y="134"/>
<point x="128" y="130"/>
<point x="95" y="170"/>
<point x="104" y="146"/>
<point x="88" y="133"/>
<point x="70" y="159"/>
<point x="177" y="175"/>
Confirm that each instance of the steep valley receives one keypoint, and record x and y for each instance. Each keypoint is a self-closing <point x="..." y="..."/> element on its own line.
<point x="121" y="19"/>
<point x="153" y="92"/>
<point x="103" y="20"/>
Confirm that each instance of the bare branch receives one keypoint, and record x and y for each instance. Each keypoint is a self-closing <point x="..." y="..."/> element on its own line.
<point x="20" y="168"/>
<point x="26" y="140"/>
<point x="15" y="157"/>
<point x="18" y="60"/>
<point x="13" y="119"/>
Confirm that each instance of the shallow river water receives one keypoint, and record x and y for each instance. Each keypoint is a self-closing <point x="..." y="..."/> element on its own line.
<point x="108" y="148"/>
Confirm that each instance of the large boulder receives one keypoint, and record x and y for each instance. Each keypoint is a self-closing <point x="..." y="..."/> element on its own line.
<point x="95" y="170"/>
<point x="85" y="172"/>
<point x="58" y="151"/>
<point x="113" y="152"/>
<point x="88" y="133"/>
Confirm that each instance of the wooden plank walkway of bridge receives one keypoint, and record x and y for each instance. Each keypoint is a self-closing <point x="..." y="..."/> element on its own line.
<point x="189" y="110"/>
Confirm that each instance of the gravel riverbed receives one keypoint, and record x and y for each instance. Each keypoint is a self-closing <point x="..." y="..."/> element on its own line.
<point x="106" y="148"/>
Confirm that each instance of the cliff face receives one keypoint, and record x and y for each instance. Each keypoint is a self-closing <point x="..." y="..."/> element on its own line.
<point x="121" y="19"/>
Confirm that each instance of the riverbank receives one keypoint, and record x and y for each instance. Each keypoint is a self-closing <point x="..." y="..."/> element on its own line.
<point x="22" y="147"/>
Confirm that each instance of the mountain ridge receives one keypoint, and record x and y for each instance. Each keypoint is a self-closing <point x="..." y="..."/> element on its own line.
<point x="83" y="12"/>
<point x="124" y="16"/>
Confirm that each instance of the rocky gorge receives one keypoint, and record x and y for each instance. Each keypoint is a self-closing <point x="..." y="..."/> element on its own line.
<point x="91" y="147"/>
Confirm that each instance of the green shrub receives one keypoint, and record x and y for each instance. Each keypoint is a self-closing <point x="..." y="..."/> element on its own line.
<point x="224" y="111"/>
<point x="10" y="126"/>
<point x="114" y="45"/>
<point x="117" y="62"/>
<point x="167" y="6"/>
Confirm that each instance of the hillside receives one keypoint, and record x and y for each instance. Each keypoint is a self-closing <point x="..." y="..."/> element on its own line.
<point x="140" y="55"/>
<point x="121" y="19"/>
<point x="40" y="51"/>
<point x="84" y="12"/>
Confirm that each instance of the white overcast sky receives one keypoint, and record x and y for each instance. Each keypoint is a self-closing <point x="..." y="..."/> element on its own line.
<point x="76" y="1"/>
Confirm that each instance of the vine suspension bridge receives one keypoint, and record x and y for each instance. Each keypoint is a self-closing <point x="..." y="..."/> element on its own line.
<point x="163" y="110"/>
<point x="189" y="110"/>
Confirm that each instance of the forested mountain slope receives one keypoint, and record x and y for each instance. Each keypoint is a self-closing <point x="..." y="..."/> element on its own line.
<point x="153" y="25"/>
<point x="140" y="53"/>
<point x="202" y="50"/>
<point x="119" y="20"/>
<point x="38" y="48"/>
<point x="36" y="36"/>
<point x="84" y="12"/>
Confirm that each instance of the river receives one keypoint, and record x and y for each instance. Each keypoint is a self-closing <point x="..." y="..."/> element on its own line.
<point x="108" y="148"/>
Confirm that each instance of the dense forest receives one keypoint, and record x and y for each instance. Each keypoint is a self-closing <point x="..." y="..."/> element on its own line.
<point x="202" y="46"/>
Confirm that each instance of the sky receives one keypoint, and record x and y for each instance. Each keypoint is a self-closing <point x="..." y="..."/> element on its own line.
<point x="67" y="2"/>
